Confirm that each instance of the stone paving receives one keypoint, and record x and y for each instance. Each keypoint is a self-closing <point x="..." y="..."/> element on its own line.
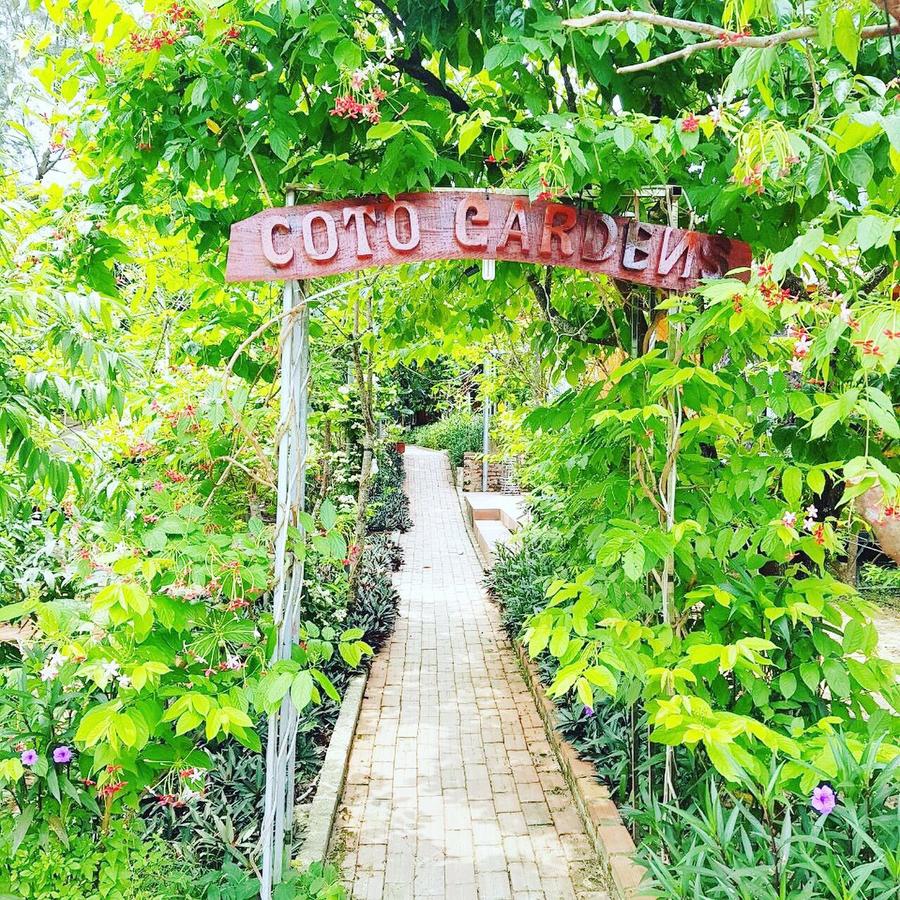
<point x="452" y="788"/>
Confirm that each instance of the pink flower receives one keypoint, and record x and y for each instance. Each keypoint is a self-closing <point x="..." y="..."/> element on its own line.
<point x="357" y="79"/>
<point x="29" y="757"/>
<point x="801" y="346"/>
<point x="62" y="755"/>
<point x="690" y="124"/>
<point x="823" y="799"/>
<point x="789" y="519"/>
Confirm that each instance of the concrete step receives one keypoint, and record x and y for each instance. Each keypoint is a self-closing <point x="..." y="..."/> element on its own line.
<point x="509" y="509"/>
<point x="489" y="533"/>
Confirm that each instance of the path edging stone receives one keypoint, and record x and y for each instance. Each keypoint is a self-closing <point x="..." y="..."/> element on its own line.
<point x="602" y="821"/>
<point x="324" y="807"/>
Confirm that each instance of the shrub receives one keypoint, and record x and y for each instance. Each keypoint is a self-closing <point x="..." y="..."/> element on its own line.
<point x="389" y="505"/>
<point x="873" y="577"/>
<point x="519" y="578"/>
<point x="457" y="433"/>
<point x="377" y="600"/>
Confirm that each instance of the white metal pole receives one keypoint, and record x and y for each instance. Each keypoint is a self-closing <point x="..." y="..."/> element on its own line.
<point x="485" y="425"/>
<point x="292" y="452"/>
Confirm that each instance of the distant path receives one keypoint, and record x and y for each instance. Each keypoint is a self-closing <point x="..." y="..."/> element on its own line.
<point x="453" y="790"/>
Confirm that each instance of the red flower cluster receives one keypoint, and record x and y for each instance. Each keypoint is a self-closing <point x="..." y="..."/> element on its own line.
<point x="891" y="335"/>
<point x="140" y="450"/>
<point x="177" y="12"/>
<point x="155" y="40"/>
<point x="548" y="193"/>
<point x="492" y="160"/>
<point x="348" y="107"/>
<point x="144" y="146"/>
<point x="110" y="790"/>
<point x="175" y="477"/>
<point x="231" y="35"/>
<point x="58" y="139"/>
<point x="755" y="180"/>
<point x="869" y="347"/>
<point x="773" y="294"/>
<point x="172" y="800"/>
<point x="690" y="124"/>
<point x="819" y="534"/>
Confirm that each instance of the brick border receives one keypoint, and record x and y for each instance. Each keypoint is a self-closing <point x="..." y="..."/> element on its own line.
<point x="330" y="789"/>
<point x="612" y="840"/>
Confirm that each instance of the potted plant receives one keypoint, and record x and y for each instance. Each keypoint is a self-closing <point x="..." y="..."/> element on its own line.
<point x="397" y="437"/>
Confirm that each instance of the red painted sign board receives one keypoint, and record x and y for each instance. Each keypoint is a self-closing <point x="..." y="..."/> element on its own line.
<point x="328" y="238"/>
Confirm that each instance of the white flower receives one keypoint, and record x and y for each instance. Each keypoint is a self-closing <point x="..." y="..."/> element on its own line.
<point x="811" y="511"/>
<point x="49" y="672"/>
<point x="796" y="365"/>
<point x="110" y="668"/>
<point x="809" y="524"/>
<point x="124" y="681"/>
<point x="327" y="88"/>
<point x="846" y="314"/>
<point x="789" y="519"/>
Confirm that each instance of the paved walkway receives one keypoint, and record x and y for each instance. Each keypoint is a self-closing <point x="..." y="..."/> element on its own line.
<point x="453" y="790"/>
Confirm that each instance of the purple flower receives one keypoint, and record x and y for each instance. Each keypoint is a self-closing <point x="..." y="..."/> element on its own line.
<point x="588" y="711"/>
<point x="29" y="757"/>
<point x="823" y="799"/>
<point x="62" y="755"/>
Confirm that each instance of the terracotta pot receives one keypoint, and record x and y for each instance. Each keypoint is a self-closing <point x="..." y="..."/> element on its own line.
<point x="400" y="446"/>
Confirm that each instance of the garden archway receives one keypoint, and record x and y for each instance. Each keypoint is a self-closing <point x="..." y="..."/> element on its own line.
<point x="316" y="240"/>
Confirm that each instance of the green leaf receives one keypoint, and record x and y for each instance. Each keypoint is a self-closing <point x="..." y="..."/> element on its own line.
<point x="348" y="55"/>
<point x="468" y="133"/>
<point x="787" y="684"/>
<point x="857" y="165"/>
<point x="384" y="131"/>
<point x="846" y="35"/>
<point x="836" y="677"/>
<point x="815" y="478"/>
<point x="792" y="485"/>
<point x="280" y="145"/>
<point x="623" y="137"/>
<point x="500" y="55"/>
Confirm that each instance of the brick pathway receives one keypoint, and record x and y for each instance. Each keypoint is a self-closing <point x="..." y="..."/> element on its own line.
<point x="453" y="790"/>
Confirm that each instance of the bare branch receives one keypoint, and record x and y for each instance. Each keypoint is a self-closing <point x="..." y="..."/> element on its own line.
<point x="722" y="38"/>
<point x="414" y="65"/>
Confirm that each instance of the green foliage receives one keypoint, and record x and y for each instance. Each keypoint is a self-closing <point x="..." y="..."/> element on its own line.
<point x="519" y="578"/>
<point x="887" y="578"/>
<point x="458" y="433"/>
<point x="388" y="504"/>
<point x="777" y="846"/>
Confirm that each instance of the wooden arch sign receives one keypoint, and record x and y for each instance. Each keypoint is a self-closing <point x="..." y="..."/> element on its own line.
<point x="320" y="239"/>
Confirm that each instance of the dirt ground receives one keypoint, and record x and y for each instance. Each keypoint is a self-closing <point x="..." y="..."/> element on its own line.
<point x="888" y="624"/>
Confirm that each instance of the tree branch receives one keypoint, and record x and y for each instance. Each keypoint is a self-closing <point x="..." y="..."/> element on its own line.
<point x="414" y="65"/>
<point x="542" y="293"/>
<point x="722" y="38"/>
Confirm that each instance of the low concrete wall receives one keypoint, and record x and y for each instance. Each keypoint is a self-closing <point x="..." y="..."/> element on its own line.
<point x="322" y="813"/>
